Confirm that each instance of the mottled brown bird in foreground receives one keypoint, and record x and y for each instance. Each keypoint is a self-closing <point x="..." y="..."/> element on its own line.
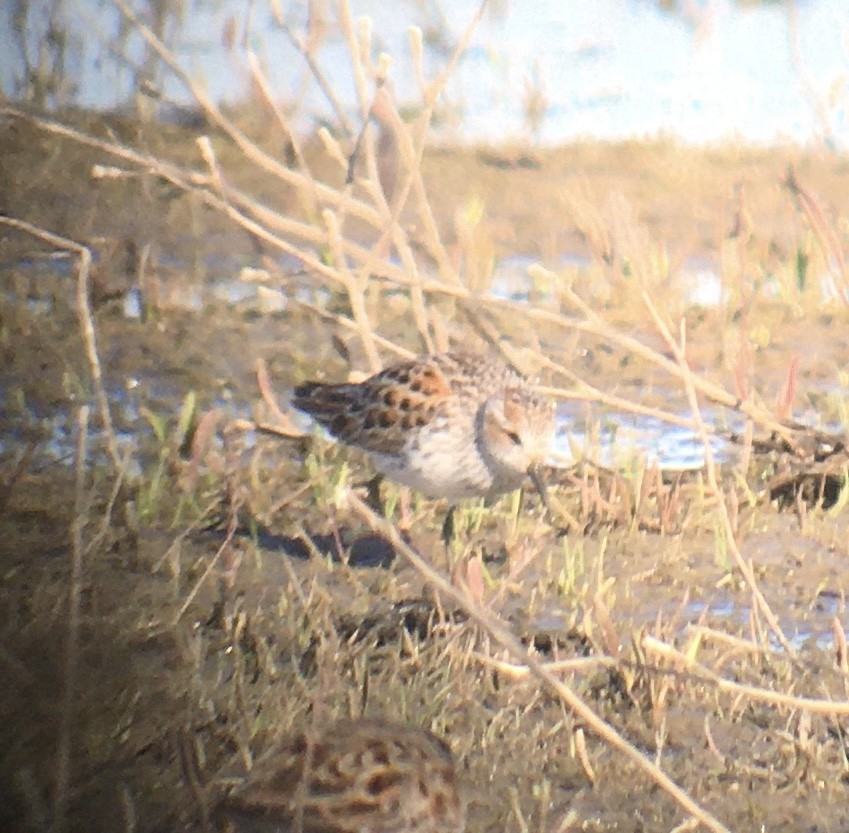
<point x="365" y="776"/>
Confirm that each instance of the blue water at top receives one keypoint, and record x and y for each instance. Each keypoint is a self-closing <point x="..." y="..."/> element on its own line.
<point x="607" y="69"/>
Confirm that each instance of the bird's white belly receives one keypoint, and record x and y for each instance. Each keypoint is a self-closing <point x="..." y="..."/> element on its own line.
<point x="451" y="477"/>
<point x="443" y="477"/>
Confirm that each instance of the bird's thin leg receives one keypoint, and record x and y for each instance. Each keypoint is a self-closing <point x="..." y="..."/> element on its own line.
<point x="448" y="526"/>
<point x="373" y="487"/>
<point x="536" y="477"/>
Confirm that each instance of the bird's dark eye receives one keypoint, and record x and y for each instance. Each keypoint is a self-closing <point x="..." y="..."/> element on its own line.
<point x="514" y="437"/>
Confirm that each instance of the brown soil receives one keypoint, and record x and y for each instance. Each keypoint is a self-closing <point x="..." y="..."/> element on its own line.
<point x="183" y="672"/>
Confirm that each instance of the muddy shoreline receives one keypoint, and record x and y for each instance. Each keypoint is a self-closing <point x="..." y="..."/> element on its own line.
<point x="220" y="608"/>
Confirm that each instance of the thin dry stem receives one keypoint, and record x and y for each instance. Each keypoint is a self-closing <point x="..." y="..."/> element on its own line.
<point x="825" y="235"/>
<point x="520" y="671"/>
<point x="307" y="52"/>
<point x="262" y="84"/>
<point x="763" y="695"/>
<point x="360" y="81"/>
<point x="72" y="645"/>
<point x="232" y="527"/>
<point x="736" y="642"/>
<point x="86" y="324"/>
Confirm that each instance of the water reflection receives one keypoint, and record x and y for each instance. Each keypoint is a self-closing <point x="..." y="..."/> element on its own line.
<point x="621" y="439"/>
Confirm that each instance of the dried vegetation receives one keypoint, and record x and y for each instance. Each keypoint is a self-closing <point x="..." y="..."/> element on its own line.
<point x="668" y="652"/>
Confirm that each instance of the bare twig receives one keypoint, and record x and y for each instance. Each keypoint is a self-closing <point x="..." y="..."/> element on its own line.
<point x="825" y="235"/>
<point x="72" y="644"/>
<point x="756" y="693"/>
<point x="520" y="671"/>
<point x="285" y="427"/>
<point x="232" y="527"/>
<point x="307" y="52"/>
<point x="7" y="484"/>
<point x="86" y="324"/>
